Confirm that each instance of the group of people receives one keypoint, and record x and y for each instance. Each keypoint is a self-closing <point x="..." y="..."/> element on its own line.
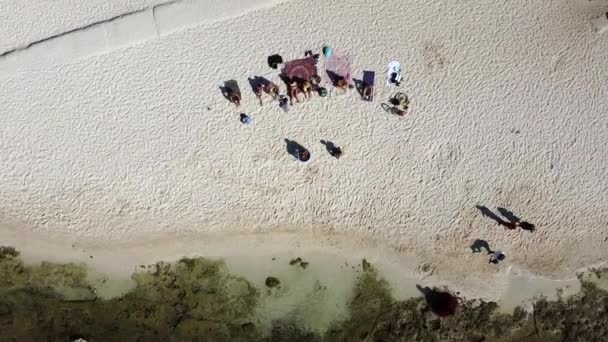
<point x="306" y="86"/>
<point x="509" y="221"/>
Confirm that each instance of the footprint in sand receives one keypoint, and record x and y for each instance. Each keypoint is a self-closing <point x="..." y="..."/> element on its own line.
<point x="434" y="56"/>
<point x="442" y="159"/>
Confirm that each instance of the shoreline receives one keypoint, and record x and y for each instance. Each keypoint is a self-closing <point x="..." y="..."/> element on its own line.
<point x="111" y="263"/>
<point x="200" y="297"/>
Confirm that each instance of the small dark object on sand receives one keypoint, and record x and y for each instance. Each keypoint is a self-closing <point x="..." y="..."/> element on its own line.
<point x="332" y="149"/>
<point x="335" y="152"/>
<point x="274" y="61"/>
<point x="246" y="119"/>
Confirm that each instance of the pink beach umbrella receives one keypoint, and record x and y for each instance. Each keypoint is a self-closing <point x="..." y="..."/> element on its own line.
<point x="302" y="69"/>
<point x="339" y="65"/>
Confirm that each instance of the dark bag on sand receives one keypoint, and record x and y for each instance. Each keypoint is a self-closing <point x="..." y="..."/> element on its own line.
<point x="274" y="61"/>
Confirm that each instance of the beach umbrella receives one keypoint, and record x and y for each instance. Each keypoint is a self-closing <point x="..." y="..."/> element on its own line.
<point x="302" y="69"/>
<point x="339" y="65"/>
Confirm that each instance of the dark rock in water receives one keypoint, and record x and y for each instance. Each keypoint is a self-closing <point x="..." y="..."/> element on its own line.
<point x="365" y="265"/>
<point x="299" y="261"/>
<point x="7" y="252"/>
<point x="272" y="282"/>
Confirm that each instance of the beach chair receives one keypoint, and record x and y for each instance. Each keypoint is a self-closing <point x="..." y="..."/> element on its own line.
<point x="369" y="79"/>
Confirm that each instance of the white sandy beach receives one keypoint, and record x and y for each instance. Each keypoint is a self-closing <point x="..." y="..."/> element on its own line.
<point x="118" y="131"/>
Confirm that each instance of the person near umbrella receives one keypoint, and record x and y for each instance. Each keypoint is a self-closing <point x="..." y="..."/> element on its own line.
<point x="293" y="92"/>
<point x="307" y="89"/>
<point x="342" y="84"/>
<point x="316" y="81"/>
<point x="273" y="90"/>
<point x="259" y="91"/>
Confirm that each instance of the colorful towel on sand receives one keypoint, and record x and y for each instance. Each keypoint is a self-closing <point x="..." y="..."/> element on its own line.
<point x="394" y="67"/>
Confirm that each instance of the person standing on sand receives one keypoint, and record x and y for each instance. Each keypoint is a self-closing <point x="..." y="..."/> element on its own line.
<point x="303" y="155"/>
<point x="496" y="257"/>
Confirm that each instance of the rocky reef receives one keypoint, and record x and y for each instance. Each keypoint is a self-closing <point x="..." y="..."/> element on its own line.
<point x="199" y="300"/>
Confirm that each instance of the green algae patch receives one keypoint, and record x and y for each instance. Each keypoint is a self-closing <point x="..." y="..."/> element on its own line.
<point x="191" y="298"/>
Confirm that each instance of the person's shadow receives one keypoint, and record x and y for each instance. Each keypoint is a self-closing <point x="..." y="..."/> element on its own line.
<point x="331" y="148"/>
<point x="511" y="219"/>
<point x="359" y="85"/>
<point x="489" y="214"/>
<point x="229" y="88"/>
<point x="333" y="77"/>
<point x="514" y="219"/>
<point x="478" y="245"/>
<point x="256" y="81"/>
<point x="441" y="303"/>
<point x="293" y="147"/>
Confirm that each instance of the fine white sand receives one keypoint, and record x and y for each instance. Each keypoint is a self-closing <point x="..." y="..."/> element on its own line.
<point x="509" y="109"/>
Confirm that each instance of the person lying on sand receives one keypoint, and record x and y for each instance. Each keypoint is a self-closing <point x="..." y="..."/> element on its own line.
<point x="307" y="88"/>
<point x="259" y="91"/>
<point x="367" y="92"/>
<point x="342" y="84"/>
<point x="272" y="90"/>
<point x="293" y="92"/>
<point x="234" y="97"/>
